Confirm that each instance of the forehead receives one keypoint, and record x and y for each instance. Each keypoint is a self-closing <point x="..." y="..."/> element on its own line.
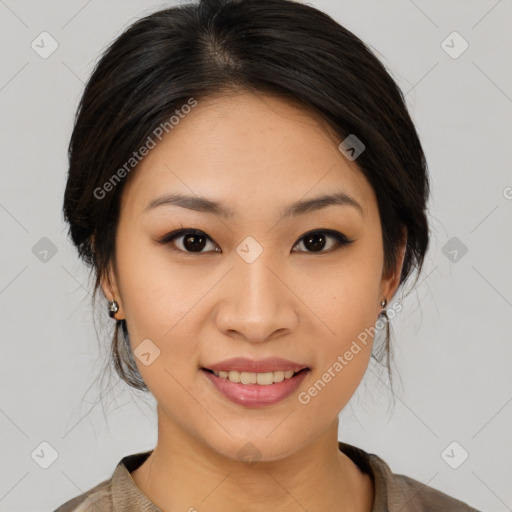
<point x="243" y="147"/>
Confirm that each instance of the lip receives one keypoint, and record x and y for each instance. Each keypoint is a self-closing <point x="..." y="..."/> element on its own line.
<point x="255" y="395"/>
<point x="268" y="364"/>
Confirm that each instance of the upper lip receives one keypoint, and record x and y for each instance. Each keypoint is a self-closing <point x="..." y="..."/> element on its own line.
<point x="268" y="364"/>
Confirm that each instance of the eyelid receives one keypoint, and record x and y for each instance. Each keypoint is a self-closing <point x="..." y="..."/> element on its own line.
<point x="340" y="237"/>
<point x="330" y="232"/>
<point x="173" y="235"/>
<point x="169" y="237"/>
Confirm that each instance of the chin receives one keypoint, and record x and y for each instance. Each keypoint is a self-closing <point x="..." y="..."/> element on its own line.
<point x="252" y="448"/>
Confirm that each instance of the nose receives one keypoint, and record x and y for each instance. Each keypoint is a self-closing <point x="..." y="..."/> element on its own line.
<point x="257" y="302"/>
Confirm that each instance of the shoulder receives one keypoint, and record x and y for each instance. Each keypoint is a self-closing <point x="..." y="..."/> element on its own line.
<point x="117" y="493"/>
<point x="97" y="498"/>
<point x="399" y="492"/>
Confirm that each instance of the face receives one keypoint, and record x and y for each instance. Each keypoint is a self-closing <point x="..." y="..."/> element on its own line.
<point x="249" y="276"/>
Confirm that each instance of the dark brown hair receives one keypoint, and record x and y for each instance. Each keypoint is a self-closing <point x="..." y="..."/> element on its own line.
<point x="272" y="46"/>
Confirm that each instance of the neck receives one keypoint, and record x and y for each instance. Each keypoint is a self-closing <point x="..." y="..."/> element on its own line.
<point x="184" y="474"/>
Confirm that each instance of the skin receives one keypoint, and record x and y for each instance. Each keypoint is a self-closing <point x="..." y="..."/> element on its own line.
<point x="255" y="154"/>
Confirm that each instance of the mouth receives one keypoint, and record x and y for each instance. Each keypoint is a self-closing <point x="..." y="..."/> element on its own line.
<point x="256" y="382"/>
<point x="273" y="382"/>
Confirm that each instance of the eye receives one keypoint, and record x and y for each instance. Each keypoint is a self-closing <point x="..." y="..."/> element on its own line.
<point x="315" y="241"/>
<point x="194" y="241"/>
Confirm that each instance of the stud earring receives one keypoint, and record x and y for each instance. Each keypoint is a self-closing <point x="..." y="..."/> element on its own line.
<point x="383" y="303"/>
<point x="113" y="308"/>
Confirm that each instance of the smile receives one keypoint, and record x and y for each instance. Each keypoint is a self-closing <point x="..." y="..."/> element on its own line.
<point x="255" y="389"/>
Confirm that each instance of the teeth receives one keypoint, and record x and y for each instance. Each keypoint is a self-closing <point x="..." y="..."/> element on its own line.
<point x="263" y="379"/>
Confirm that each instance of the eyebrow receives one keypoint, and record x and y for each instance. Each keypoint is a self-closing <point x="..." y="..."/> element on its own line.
<point x="203" y="204"/>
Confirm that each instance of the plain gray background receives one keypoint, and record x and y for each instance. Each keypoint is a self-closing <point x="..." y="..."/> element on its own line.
<point x="452" y="339"/>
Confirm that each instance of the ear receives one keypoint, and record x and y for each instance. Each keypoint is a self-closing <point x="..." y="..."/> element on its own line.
<point x="390" y="283"/>
<point x="110" y="288"/>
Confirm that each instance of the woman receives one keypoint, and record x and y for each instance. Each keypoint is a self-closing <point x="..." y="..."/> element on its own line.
<point x="250" y="191"/>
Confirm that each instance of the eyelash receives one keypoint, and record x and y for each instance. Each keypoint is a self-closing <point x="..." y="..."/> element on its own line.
<point x="174" y="235"/>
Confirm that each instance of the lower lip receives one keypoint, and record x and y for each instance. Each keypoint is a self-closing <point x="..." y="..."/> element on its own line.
<point x="255" y="395"/>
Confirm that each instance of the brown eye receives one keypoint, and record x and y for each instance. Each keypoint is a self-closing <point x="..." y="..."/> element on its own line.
<point x="191" y="240"/>
<point x="316" y="241"/>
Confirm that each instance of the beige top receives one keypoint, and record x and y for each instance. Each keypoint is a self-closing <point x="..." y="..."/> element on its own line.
<point x="393" y="492"/>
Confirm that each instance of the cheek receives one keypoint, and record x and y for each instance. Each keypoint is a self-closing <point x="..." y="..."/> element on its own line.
<point x="333" y="385"/>
<point x="345" y="301"/>
<point x="344" y="294"/>
<point x="157" y="294"/>
<point x="342" y="355"/>
<point x="159" y="301"/>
